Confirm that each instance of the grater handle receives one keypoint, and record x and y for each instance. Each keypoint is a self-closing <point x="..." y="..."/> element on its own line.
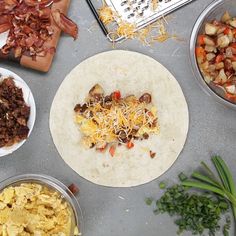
<point x="94" y="11"/>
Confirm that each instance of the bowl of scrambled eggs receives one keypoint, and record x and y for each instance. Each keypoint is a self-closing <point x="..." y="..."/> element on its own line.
<point x="38" y="205"/>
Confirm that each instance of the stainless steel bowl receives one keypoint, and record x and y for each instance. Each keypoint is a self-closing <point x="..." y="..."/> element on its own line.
<point x="55" y="185"/>
<point x="214" y="11"/>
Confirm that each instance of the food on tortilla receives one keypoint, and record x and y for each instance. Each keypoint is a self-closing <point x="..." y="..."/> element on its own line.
<point x="216" y="54"/>
<point x="34" y="209"/>
<point x="130" y="73"/>
<point x="110" y="120"/>
<point x="14" y="114"/>
<point x="30" y="26"/>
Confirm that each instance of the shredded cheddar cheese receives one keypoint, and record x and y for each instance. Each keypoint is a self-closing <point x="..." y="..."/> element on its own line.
<point x="117" y="121"/>
<point x="156" y="32"/>
<point x="106" y="14"/>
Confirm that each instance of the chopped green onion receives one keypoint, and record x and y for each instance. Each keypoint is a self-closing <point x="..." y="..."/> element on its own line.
<point x="162" y="185"/>
<point x="182" y="177"/>
<point x="149" y="201"/>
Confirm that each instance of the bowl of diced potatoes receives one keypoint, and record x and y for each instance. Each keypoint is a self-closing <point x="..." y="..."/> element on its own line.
<point x="213" y="51"/>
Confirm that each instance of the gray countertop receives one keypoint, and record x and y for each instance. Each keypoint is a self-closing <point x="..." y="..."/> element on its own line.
<point x="116" y="211"/>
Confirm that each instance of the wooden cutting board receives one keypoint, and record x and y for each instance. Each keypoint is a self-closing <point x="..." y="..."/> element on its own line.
<point x="43" y="63"/>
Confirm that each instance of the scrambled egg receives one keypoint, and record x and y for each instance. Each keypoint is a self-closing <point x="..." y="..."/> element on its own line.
<point x="33" y="209"/>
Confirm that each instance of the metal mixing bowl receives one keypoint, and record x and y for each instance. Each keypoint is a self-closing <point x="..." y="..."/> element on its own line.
<point x="214" y="11"/>
<point x="55" y="185"/>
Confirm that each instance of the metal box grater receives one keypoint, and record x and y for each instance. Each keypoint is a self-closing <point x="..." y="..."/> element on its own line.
<point x="140" y="12"/>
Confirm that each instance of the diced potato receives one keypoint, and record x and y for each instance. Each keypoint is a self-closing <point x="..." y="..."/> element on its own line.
<point x="210" y="48"/>
<point x="233" y="23"/>
<point x="223" y="41"/>
<point x="221" y="77"/>
<point x="231" y="89"/>
<point x="205" y="65"/>
<point x="234" y="65"/>
<point x="226" y="17"/>
<point x="221" y="30"/>
<point x="96" y="89"/>
<point x="211" y="29"/>
<point x="208" y="78"/>
<point x="219" y="66"/>
<point x="228" y="52"/>
<point x="209" y="41"/>
<point x="231" y="36"/>
<point x="210" y="56"/>
<point x="228" y="65"/>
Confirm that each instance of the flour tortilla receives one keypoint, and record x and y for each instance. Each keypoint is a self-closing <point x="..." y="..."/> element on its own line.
<point x="131" y="73"/>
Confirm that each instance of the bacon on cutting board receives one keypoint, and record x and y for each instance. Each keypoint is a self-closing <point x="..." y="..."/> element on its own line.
<point x="65" y="24"/>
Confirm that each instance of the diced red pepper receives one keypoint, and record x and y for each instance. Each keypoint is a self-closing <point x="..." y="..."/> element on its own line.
<point x="112" y="150"/>
<point x="130" y="145"/>
<point x="230" y="96"/>
<point x="219" y="58"/>
<point x="227" y="30"/>
<point x="233" y="58"/>
<point x="102" y="149"/>
<point x="200" y="51"/>
<point x="200" y="40"/>
<point x="234" y="32"/>
<point x="233" y="45"/>
<point x="116" y="95"/>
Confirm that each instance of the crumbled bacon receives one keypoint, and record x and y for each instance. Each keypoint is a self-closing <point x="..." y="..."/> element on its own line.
<point x="65" y="24"/>
<point x="30" y="25"/>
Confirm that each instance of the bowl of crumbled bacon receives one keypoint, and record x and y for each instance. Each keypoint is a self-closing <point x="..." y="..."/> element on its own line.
<point x="17" y="112"/>
<point x="30" y="30"/>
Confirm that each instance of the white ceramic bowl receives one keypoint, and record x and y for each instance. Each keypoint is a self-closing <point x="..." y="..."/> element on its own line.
<point x="29" y="99"/>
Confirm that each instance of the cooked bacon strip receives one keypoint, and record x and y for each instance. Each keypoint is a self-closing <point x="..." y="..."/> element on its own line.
<point x="65" y="24"/>
<point x="5" y="23"/>
<point x="4" y="27"/>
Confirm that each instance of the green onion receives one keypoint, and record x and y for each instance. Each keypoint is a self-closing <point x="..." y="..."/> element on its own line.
<point x="149" y="201"/>
<point x="162" y="185"/>
<point x="194" y="212"/>
<point x="223" y="186"/>
<point x="182" y="177"/>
